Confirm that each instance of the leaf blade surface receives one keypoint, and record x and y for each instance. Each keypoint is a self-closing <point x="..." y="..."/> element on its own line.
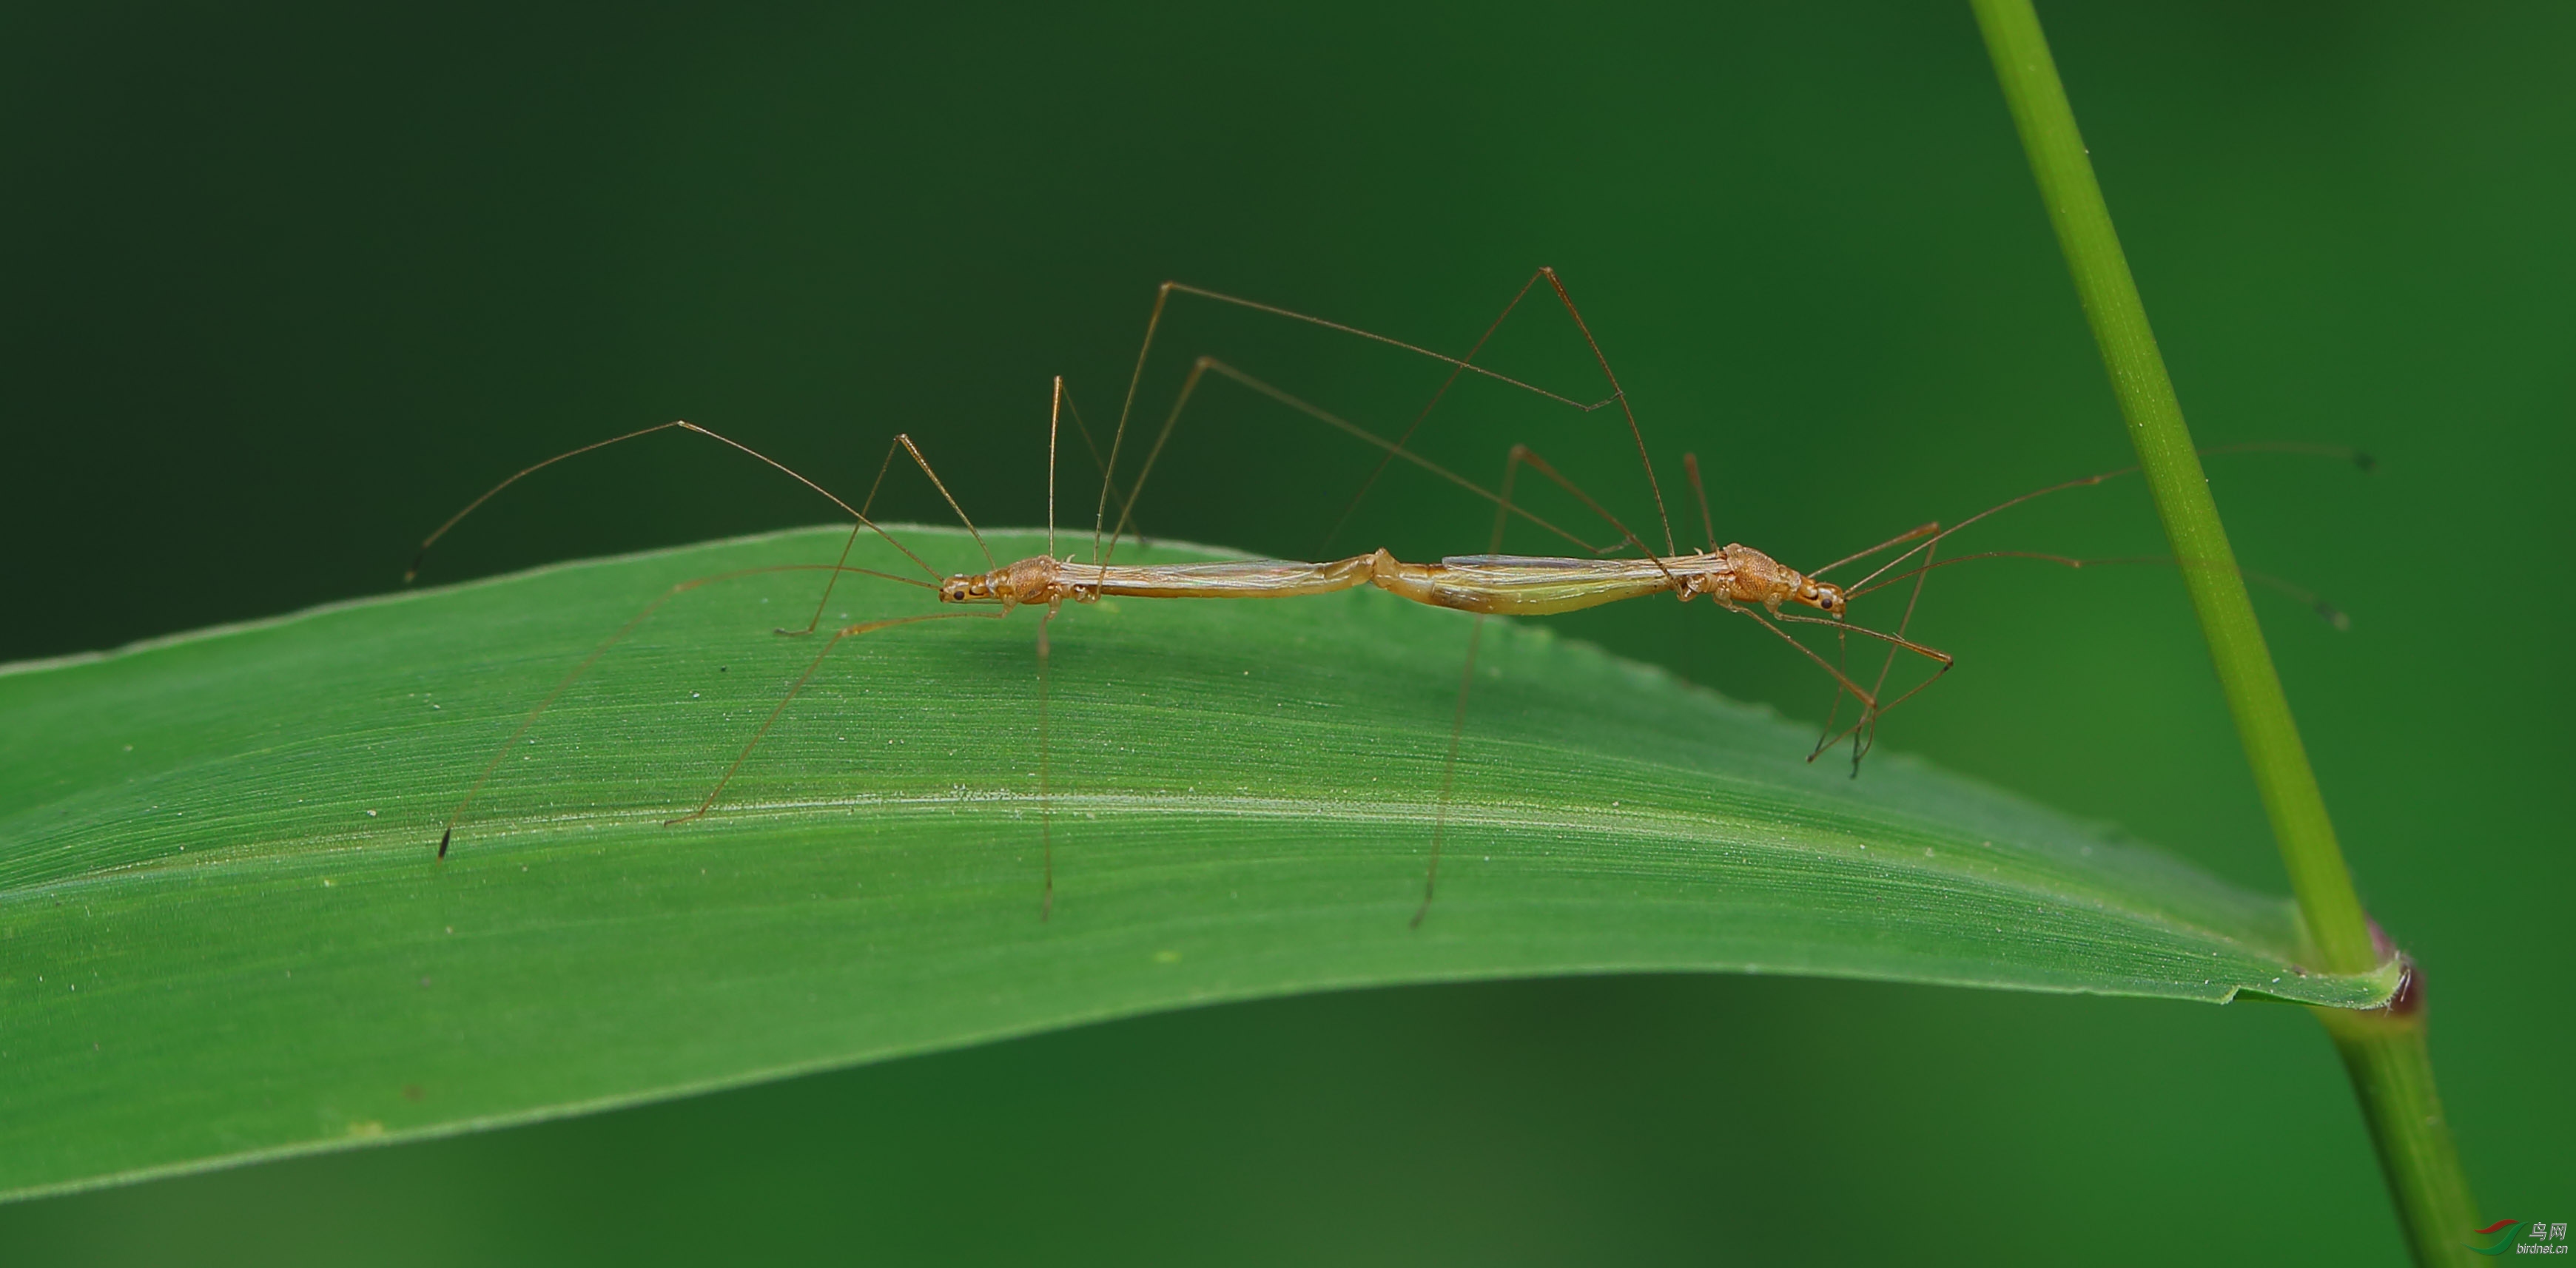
<point x="226" y="936"/>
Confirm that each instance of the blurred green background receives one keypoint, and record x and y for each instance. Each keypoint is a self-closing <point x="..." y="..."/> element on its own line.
<point x="287" y="286"/>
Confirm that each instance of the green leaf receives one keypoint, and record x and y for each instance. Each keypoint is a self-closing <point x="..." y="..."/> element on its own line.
<point x="224" y="934"/>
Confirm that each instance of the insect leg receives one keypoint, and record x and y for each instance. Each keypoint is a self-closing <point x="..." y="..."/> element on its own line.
<point x="1842" y="662"/>
<point x="1699" y="492"/>
<point x="849" y="631"/>
<point x="1620" y="395"/>
<point x="1459" y="367"/>
<point x="904" y="443"/>
<point x="1099" y="463"/>
<point x="1872" y="710"/>
<point x="456" y="815"/>
<point x="1463" y="365"/>
<point x="1466" y="683"/>
<point x="1046" y="805"/>
<point x="1520" y="456"/>
<point x="1205" y="366"/>
<point x="1867" y="735"/>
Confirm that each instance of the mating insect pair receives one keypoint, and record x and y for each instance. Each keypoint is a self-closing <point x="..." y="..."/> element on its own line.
<point x="1736" y="577"/>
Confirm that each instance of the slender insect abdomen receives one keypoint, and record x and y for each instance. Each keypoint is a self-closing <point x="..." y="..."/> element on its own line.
<point x="1242" y="579"/>
<point x="1520" y="585"/>
<point x="1040" y="579"/>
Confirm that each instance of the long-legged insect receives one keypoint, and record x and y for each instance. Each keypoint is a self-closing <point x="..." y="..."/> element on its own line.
<point x="1736" y="577"/>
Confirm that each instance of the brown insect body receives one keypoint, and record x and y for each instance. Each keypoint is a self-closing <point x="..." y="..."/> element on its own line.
<point x="1499" y="585"/>
<point x="1736" y="577"/>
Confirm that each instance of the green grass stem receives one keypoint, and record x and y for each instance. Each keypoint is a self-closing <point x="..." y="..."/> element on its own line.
<point x="2386" y="1055"/>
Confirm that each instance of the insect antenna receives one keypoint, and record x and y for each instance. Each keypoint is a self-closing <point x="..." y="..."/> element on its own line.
<point x="2301" y="595"/>
<point x="854" y="513"/>
<point x="422" y="554"/>
<point x="1934" y="531"/>
<point x="1926" y="539"/>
